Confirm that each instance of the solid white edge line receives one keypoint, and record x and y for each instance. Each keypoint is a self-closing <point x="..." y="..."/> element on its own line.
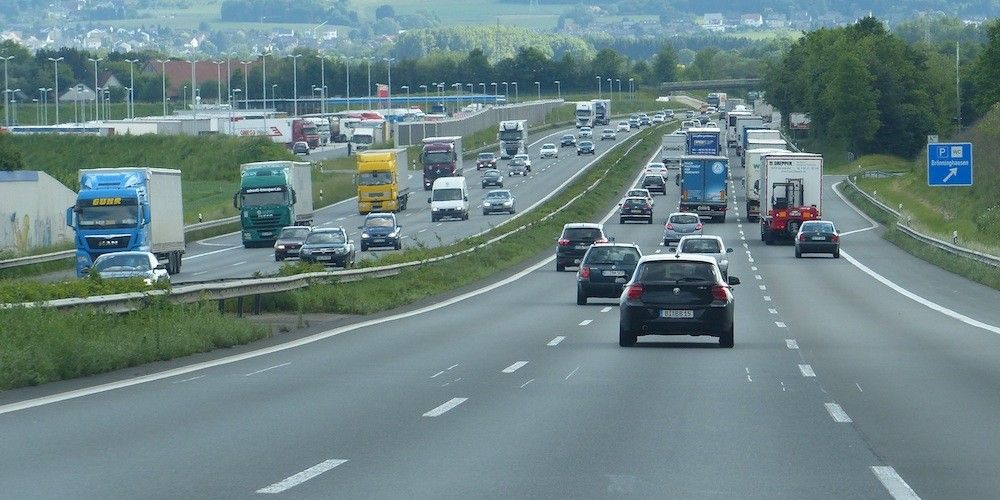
<point x="895" y="484"/>
<point x="807" y="371"/>
<point x="514" y="367"/>
<point x="556" y="341"/>
<point x="443" y="408"/>
<point x="301" y="477"/>
<point x="110" y="386"/>
<point x="837" y="413"/>
<point x="844" y="199"/>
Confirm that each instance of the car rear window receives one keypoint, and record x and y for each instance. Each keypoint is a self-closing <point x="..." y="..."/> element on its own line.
<point x="613" y="255"/>
<point x="653" y="180"/>
<point x="819" y="227"/>
<point x="701" y="246"/>
<point x="582" y="233"/>
<point x="634" y="202"/>
<point x="676" y="271"/>
<point x="684" y="219"/>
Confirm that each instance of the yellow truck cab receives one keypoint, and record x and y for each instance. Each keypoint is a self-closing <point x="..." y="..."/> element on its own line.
<point x="381" y="177"/>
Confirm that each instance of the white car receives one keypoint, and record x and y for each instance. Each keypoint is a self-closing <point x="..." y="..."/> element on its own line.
<point x="526" y="158"/>
<point x="638" y="193"/>
<point x="586" y="132"/>
<point x="656" y="168"/>
<point x="549" y="151"/>
<point x="609" y="133"/>
<point x="659" y="118"/>
<point x="125" y="265"/>
<point x="623" y="127"/>
<point x="708" y="245"/>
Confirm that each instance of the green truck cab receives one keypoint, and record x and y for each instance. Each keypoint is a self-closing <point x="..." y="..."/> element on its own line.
<point x="272" y="195"/>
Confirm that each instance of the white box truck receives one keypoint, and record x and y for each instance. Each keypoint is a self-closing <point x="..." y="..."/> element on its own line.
<point x="673" y="147"/>
<point x="751" y="178"/>
<point x="791" y="192"/>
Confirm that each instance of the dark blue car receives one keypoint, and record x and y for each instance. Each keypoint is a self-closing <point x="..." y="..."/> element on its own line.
<point x="381" y="230"/>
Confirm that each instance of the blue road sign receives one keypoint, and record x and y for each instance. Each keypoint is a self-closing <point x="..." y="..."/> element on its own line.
<point x="949" y="164"/>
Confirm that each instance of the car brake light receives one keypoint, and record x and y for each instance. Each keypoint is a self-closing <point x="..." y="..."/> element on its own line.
<point x="698" y="227"/>
<point x="648" y="206"/>
<point x="585" y="273"/>
<point x="634" y="292"/>
<point x="720" y="292"/>
<point x="802" y="236"/>
<point x="835" y="238"/>
<point x="563" y="242"/>
<point x="669" y="226"/>
<point x="602" y="240"/>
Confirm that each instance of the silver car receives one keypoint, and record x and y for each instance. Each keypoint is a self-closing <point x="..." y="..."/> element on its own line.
<point x="679" y="225"/>
<point x="124" y="265"/>
<point x="708" y="245"/>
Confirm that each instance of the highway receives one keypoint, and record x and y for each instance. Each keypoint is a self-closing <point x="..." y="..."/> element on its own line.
<point x="869" y="376"/>
<point x="224" y="256"/>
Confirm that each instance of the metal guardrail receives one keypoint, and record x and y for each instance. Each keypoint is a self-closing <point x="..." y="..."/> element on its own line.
<point x="66" y="254"/>
<point x="947" y="246"/>
<point x="241" y="288"/>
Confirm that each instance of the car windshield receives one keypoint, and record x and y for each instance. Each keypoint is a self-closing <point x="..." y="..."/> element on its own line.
<point x="818" y="227"/>
<point x="701" y="245"/>
<point x="108" y="217"/>
<point x="379" y="222"/>
<point x="626" y="256"/>
<point x="582" y="233"/>
<point x="669" y="270"/>
<point x="586" y="144"/>
<point x="637" y="192"/>
<point x="636" y="202"/>
<point x="684" y="219"/>
<point x="447" y="194"/>
<point x="374" y="178"/>
<point x="258" y="197"/>
<point x="436" y="157"/>
<point x="326" y="238"/>
<point x="294" y="233"/>
<point x="520" y="157"/>
<point x="517" y="162"/>
<point x="568" y="138"/>
<point x="491" y="173"/>
<point x="122" y="262"/>
<point x="497" y="195"/>
<point x="548" y="146"/>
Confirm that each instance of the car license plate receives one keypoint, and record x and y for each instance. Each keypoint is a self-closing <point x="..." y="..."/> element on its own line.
<point x="703" y="208"/>
<point x="613" y="273"/>
<point x="324" y="257"/>
<point x="378" y="240"/>
<point x="677" y="313"/>
<point x="819" y="238"/>
<point x="266" y="233"/>
<point x="637" y="211"/>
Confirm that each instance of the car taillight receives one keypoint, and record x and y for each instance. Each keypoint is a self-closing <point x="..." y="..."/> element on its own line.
<point x="835" y="238"/>
<point x="720" y="292"/>
<point x="563" y="242"/>
<point x="648" y="206"/>
<point x="669" y="226"/>
<point x="698" y="227"/>
<point x="602" y="240"/>
<point x="585" y="273"/>
<point x="634" y="292"/>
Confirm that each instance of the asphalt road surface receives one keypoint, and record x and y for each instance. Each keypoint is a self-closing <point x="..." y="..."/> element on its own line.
<point x="861" y="377"/>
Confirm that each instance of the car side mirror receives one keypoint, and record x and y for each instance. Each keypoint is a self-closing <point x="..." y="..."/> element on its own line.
<point x="733" y="280"/>
<point x="729" y="250"/>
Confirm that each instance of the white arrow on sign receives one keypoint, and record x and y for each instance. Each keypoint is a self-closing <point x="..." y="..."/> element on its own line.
<point x="952" y="172"/>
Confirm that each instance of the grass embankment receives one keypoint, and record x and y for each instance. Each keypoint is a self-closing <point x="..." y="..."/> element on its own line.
<point x="44" y="345"/>
<point x="417" y="283"/>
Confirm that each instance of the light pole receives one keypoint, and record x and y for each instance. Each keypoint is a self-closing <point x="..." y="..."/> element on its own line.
<point x="619" y="81"/>
<point x="38" y="112"/>
<point x="229" y="78"/>
<point x="107" y="101"/>
<point x="483" y="84"/>
<point x="131" y="90"/>
<point x="263" y="82"/>
<point x="13" y="102"/>
<point x="322" y="84"/>
<point x="611" y="90"/>
<point x="427" y="99"/>
<point x="631" y="88"/>
<point x="274" y="94"/>
<point x="495" y="94"/>
<point x="538" y="87"/>
<point x="41" y="102"/>
<point x="163" y="83"/>
<point x="295" y="83"/>
<point x="184" y="97"/>
<point x="194" y="88"/>
<point x="516" y="98"/>
<point x="233" y="95"/>
<point x="218" y="90"/>
<point x="598" y="86"/>
<point x="472" y="97"/>
<point x="407" y="89"/>
<point x="6" y="88"/>
<point x="45" y="103"/>
<point x="369" y="81"/>
<point x="558" y="89"/>
<point x="55" y="62"/>
<point x="347" y="64"/>
<point x="388" y="68"/>
<point x="458" y="99"/>
<point x="506" y="92"/>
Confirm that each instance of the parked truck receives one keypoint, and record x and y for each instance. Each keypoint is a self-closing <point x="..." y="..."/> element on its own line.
<point x="673" y="147"/>
<point x="602" y="111"/>
<point x="791" y="192"/>
<point x="322" y="130"/>
<point x="703" y="141"/>
<point x="704" y="188"/>
<point x="441" y="157"/>
<point x="742" y="123"/>
<point x="511" y="135"/>
<point x="362" y="139"/>
<point x="272" y="195"/>
<point x="128" y="209"/>
<point x="751" y="177"/>
<point x="285" y="131"/>
<point x="584" y="114"/>
<point x="380" y="177"/>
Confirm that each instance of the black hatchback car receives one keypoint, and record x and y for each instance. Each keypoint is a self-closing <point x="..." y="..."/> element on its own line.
<point x="635" y="208"/>
<point x="381" y="230"/>
<point x="574" y="242"/>
<point x="677" y="295"/>
<point x="585" y="148"/>
<point x="492" y="178"/>
<point x="605" y="269"/>
<point x="328" y="246"/>
<point x="655" y="184"/>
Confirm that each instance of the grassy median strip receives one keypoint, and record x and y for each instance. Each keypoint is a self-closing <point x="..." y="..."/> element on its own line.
<point x="974" y="270"/>
<point x="369" y="296"/>
<point x="45" y="345"/>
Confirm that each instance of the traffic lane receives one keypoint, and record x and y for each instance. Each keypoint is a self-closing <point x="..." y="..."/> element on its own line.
<point x="938" y="285"/>
<point x="227" y="258"/>
<point x="921" y="387"/>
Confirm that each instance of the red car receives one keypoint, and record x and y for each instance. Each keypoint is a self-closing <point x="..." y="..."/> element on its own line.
<point x="486" y="160"/>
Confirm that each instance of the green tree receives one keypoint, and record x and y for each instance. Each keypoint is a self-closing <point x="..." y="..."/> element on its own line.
<point x="10" y="157"/>
<point x="987" y="69"/>
<point x="664" y="66"/>
<point x="853" y="102"/>
<point x="383" y="11"/>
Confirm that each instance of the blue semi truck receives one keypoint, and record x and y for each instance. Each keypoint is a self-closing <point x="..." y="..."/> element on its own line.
<point x="704" y="188"/>
<point x="128" y="209"/>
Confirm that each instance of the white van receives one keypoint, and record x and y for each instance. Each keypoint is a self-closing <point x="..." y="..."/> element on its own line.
<point x="449" y="198"/>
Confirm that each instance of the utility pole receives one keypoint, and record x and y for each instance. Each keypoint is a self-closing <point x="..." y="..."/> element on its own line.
<point x="131" y="90"/>
<point x="163" y="83"/>
<point x="6" y="90"/>
<point x="295" y="83"/>
<point x="55" y="62"/>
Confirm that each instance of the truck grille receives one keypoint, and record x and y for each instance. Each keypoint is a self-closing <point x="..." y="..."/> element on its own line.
<point x="103" y="244"/>
<point x="374" y="195"/>
<point x="266" y="223"/>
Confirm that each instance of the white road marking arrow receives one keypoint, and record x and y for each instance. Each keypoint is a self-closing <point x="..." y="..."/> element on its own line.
<point x="952" y="172"/>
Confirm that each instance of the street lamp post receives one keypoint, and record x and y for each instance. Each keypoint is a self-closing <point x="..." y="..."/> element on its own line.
<point x="322" y="84"/>
<point x="495" y="94"/>
<point x="516" y="98"/>
<point x="163" y="83"/>
<point x="6" y="89"/>
<point x="13" y="102"/>
<point x="38" y="112"/>
<point x="274" y="95"/>
<point x="619" y="81"/>
<point x="538" y="87"/>
<point x="506" y="92"/>
<point x="55" y="62"/>
<point x="631" y="88"/>
<point x="427" y="99"/>
<point x="483" y="84"/>
<point x="347" y="64"/>
<point x="218" y="90"/>
<point x="97" y="109"/>
<point x="233" y="96"/>
<point x="184" y="97"/>
<point x="131" y="90"/>
<point x="611" y="90"/>
<point x="107" y="101"/>
<point x="388" y="66"/>
<point x="229" y="78"/>
<point x="598" y="86"/>
<point x="407" y="89"/>
<point x="263" y="83"/>
<point x="558" y="89"/>
<point x="295" y="83"/>
<point x="246" y="84"/>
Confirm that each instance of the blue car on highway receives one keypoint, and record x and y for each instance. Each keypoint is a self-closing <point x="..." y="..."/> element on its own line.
<point x="381" y="230"/>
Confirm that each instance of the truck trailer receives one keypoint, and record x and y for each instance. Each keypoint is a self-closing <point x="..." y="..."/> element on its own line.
<point x="673" y="147"/>
<point x="703" y="141"/>
<point x="128" y="209"/>
<point x="602" y="111"/>
<point x="791" y="192"/>
<point x="751" y="177"/>
<point x="704" y="187"/>
<point x="272" y="195"/>
<point x="441" y="157"/>
<point x="381" y="181"/>
<point x="744" y="122"/>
